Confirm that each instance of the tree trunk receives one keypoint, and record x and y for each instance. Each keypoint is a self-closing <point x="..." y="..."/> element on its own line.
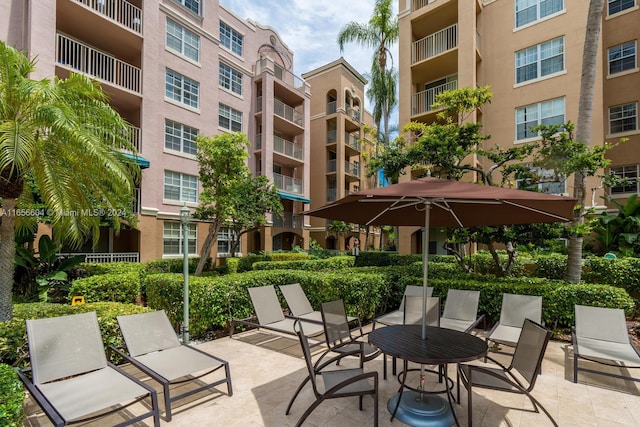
<point x="7" y="254"/>
<point x="583" y="132"/>
<point x="212" y="237"/>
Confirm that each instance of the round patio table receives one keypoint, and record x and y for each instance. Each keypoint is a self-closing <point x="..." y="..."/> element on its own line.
<point x="441" y="347"/>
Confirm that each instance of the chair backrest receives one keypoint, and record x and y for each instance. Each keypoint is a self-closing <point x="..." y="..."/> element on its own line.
<point x="600" y="323"/>
<point x="266" y="304"/>
<point x="65" y="346"/>
<point x="413" y="311"/>
<point x="296" y="299"/>
<point x="516" y="308"/>
<point x="147" y="332"/>
<point x="414" y="291"/>
<point x="461" y="305"/>
<point x="334" y="320"/>
<point x="306" y="351"/>
<point x="527" y="358"/>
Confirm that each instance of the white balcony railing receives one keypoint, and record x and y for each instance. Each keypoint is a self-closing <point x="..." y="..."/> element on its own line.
<point x="288" y="183"/>
<point x="288" y="148"/>
<point x="435" y="44"/>
<point x="285" y="76"/>
<point x="422" y="102"/>
<point x="289" y="220"/>
<point x="136" y="202"/>
<point x="287" y="112"/>
<point x="82" y="58"/>
<point x="120" y="11"/>
<point x="418" y="4"/>
<point x="102" y="257"/>
<point x="352" y="140"/>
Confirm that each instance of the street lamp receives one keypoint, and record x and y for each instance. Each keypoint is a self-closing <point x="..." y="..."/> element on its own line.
<point x="185" y="218"/>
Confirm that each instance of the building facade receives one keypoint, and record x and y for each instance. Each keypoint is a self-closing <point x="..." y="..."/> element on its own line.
<point x="175" y="69"/>
<point x="530" y="54"/>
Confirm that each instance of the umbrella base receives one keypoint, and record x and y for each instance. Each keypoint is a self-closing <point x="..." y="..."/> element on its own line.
<point x="423" y="410"/>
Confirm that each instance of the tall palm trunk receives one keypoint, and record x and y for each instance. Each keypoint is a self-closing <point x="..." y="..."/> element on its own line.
<point x="7" y="253"/>
<point x="583" y="132"/>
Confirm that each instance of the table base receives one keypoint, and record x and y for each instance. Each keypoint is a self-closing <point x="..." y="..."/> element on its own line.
<point x="421" y="411"/>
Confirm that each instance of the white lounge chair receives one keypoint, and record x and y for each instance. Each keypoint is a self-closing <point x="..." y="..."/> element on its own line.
<point x="515" y="309"/>
<point x="461" y="310"/>
<point x="299" y="304"/>
<point x="396" y="317"/>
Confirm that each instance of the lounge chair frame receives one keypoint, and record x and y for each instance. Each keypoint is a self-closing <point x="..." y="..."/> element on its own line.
<point x="514" y="310"/>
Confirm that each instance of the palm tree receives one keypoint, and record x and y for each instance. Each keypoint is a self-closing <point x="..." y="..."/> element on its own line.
<point x="583" y="132"/>
<point x="62" y="137"/>
<point x="379" y="33"/>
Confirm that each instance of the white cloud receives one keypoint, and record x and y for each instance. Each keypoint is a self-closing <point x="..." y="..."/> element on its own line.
<point x="310" y="29"/>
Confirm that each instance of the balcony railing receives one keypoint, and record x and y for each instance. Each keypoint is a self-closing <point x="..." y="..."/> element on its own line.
<point x="287" y="112"/>
<point x="285" y="76"/>
<point x="288" y="183"/>
<point x="422" y="102"/>
<point x="120" y="11"/>
<point x="288" y="148"/>
<point x="136" y="202"/>
<point x="352" y="168"/>
<point x="354" y="114"/>
<point x="82" y="58"/>
<point x="435" y="44"/>
<point x="418" y="4"/>
<point x="331" y="165"/>
<point x="352" y="140"/>
<point x="134" y="137"/>
<point x="103" y="257"/>
<point x="332" y="194"/>
<point x="288" y="219"/>
<point x="332" y="136"/>
<point x="332" y="107"/>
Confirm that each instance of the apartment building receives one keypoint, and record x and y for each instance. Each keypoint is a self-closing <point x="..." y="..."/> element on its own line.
<point x="338" y="146"/>
<point x="530" y="53"/>
<point x="175" y="69"/>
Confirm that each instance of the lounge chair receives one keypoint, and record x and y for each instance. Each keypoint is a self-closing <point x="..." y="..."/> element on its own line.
<point x="397" y="317"/>
<point x="600" y="335"/>
<point x="526" y="361"/>
<point x="154" y="348"/>
<point x="300" y="307"/>
<point x="337" y="383"/>
<point x="461" y="310"/>
<point x="269" y="314"/>
<point x="70" y="377"/>
<point x="515" y="308"/>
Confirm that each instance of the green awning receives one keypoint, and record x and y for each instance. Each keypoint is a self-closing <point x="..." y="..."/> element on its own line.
<point x="294" y="197"/>
<point x="141" y="161"/>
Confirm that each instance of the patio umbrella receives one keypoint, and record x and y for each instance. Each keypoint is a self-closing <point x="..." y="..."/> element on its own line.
<point x="434" y="202"/>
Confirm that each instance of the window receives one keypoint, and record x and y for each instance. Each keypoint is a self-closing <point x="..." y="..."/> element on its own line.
<point x="528" y="11"/>
<point x="172" y="242"/>
<point x="543" y="113"/>
<point x="547" y="181"/>
<point x="225" y="238"/>
<point x="229" y="118"/>
<point x="622" y="57"/>
<point x="230" y="79"/>
<point x="183" y="41"/>
<point x="541" y="60"/>
<point x="628" y="173"/>
<point x="616" y="6"/>
<point x="192" y="5"/>
<point x="181" y="89"/>
<point x="231" y="39"/>
<point x="180" y="186"/>
<point x="623" y="118"/>
<point x="180" y="137"/>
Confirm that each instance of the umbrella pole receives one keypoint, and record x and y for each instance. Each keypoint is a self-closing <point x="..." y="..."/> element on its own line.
<point x="425" y="267"/>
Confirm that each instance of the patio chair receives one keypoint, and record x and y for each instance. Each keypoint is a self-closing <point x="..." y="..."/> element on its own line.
<point x="461" y="310"/>
<point x="396" y="317"/>
<point x="269" y="314"/>
<point x="300" y="307"/>
<point x="70" y="377"/>
<point x="515" y="308"/>
<point x="337" y="383"/>
<point x="600" y="335"/>
<point x="526" y="362"/>
<point x="153" y="347"/>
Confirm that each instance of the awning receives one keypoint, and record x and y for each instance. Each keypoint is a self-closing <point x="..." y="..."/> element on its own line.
<point x="294" y="197"/>
<point x="141" y="161"/>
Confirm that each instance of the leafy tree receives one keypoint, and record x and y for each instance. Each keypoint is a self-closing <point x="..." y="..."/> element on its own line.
<point x="63" y="135"/>
<point x="255" y="196"/>
<point x="621" y="232"/>
<point x="338" y="229"/>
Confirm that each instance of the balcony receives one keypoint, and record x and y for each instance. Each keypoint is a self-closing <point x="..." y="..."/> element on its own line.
<point x="352" y="168"/>
<point x="283" y="75"/>
<point x="332" y="136"/>
<point x="120" y="11"/>
<point x="332" y="107"/>
<point x="332" y="194"/>
<point x="103" y="257"/>
<point x="288" y="112"/>
<point x="288" y="184"/>
<point x="435" y="44"/>
<point x="81" y="58"/>
<point x="419" y="4"/>
<point x="288" y="148"/>
<point x="136" y="202"/>
<point x="353" y="114"/>
<point x="332" y="165"/>
<point x="288" y="220"/>
<point x="352" y="140"/>
<point x="422" y="102"/>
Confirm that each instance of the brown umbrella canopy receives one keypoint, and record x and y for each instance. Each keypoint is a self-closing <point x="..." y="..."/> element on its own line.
<point x="453" y="204"/>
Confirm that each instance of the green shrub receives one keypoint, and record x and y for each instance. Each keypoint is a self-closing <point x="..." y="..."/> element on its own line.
<point x="551" y="266"/>
<point x="94" y="269"/>
<point x="174" y="265"/>
<point x="123" y="287"/>
<point x="328" y="264"/>
<point x="374" y="258"/>
<point x="11" y="397"/>
<point x="622" y="272"/>
<point x="14" y="349"/>
<point x="288" y="256"/>
<point x="232" y="265"/>
<point x="246" y="263"/>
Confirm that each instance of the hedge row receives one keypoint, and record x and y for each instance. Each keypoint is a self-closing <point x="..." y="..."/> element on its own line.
<point x="11" y="397"/>
<point x="333" y="263"/>
<point x="14" y="349"/>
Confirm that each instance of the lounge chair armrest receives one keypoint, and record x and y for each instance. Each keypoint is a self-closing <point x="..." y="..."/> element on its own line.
<point x="354" y="379"/>
<point x="512" y="381"/>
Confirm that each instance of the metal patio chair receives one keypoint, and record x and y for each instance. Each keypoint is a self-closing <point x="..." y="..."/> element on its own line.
<point x="461" y="310"/>
<point x="396" y="317"/>
<point x="300" y="307"/>
<point x="514" y="310"/>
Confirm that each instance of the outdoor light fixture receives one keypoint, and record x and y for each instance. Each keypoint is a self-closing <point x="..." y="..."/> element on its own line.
<point x="185" y="219"/>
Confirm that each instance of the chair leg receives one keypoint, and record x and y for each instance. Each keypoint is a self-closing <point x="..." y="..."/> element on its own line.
<point x="156" y="409"/>
<point x="167" y="401"/>
<point x="227" y="371"/>
<point x="360" y="401"/>
<point x="384" y="365"/>
<point x="375" y="404"/>
<point x="308" y="412"/>
<point x="295" y="395"/>
<point x="575" y="367"/>
<point x="537" y="404"/>
<point x="470" y="404"/>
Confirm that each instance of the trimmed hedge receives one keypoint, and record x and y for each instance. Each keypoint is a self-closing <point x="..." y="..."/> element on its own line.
<point x="121" y="287"/>
<point x="174" y="265"/>
<point x="11" y="397"/>
<point x="333" y="263"/>
<point x="94" y="269"/>
<point x="14" y="349"/>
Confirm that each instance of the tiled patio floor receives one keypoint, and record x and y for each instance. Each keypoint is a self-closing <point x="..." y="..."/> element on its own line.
<point x="266" y="369"/>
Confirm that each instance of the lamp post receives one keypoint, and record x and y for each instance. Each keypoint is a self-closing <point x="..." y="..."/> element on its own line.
<point x="185" y="217"/>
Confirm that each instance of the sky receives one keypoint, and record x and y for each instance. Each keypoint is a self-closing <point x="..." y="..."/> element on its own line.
<point x="310" y="29"/>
